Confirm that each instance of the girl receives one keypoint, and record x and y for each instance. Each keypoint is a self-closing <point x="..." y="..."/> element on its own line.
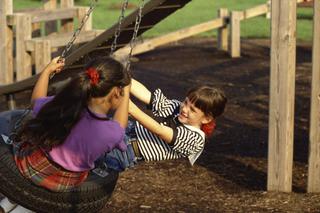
<point x="174" y="130"/>
<point x="58" y="146"/>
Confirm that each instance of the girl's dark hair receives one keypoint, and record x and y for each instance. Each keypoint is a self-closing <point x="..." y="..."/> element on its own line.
<point x="211" y="101"/>
<point x="55" y="120"/>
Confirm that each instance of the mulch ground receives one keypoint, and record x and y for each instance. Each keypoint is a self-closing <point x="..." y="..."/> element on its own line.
<point x="231" y="174"/>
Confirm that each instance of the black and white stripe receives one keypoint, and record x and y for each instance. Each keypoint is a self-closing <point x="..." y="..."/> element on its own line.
<point x="188" y="140"/>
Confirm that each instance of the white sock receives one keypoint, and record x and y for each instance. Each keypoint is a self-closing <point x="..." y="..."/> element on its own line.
<point x="20" y="209"/>
<point x="7" y="205"/>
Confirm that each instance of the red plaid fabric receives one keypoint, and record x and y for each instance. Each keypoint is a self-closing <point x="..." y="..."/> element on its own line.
<point x="35" y="166"/>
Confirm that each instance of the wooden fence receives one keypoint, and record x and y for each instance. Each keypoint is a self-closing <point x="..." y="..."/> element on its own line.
<point x="34" y="47"/>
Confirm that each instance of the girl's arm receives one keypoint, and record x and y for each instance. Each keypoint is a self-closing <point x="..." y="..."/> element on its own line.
<point x="164" y="132"/>
<point x="140" y="92"/>
<point x="41" y="88"/>
<point x="121" y="113"/>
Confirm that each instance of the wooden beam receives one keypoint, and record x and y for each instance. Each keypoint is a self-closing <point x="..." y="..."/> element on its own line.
<point x="314" y="136"/>
<point x="223" y="31"/>
<point x="234" y="36"/>
<point x="6" y="44"/>
<point x="171" y="37"/>
<point x="23" y="58"/>
<point x="255" y="11"/>
<point x="62" y="39"/>
<point x="282" y="87"/>
<point x="44" y="16"/>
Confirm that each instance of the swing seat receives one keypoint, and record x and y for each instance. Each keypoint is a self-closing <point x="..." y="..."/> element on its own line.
<point x="91" y="196"/>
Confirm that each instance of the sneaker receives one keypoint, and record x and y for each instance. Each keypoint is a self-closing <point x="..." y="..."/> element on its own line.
<point x="6" y="205"/>
<point x="21" y="209"/>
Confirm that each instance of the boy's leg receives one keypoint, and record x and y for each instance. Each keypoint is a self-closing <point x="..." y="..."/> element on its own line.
<point x="118" y="160"/>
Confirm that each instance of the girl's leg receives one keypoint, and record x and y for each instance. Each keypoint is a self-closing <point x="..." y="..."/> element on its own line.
<point x="9" y="119"/>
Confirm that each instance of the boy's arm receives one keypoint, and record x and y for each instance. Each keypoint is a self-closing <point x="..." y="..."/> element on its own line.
<point x="121" y="113"/>
<point x="41" y="88"/>
<point x="140" y="91"/>
<point x="164" y="132"/>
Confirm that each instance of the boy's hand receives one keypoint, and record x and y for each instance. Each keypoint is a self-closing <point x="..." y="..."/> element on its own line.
<point x="55" y="66"/>
<point x="132" y="107"/>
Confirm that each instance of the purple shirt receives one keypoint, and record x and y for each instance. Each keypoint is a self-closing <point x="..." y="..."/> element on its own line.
<point x="87" y="141"/>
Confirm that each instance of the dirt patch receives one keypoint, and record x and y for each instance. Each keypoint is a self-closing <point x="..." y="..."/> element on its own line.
<point x="231" y="174"/>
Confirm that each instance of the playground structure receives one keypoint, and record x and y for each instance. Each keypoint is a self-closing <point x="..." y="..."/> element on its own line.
<point x="33" y="49"/>
<point x="282" y="81"/>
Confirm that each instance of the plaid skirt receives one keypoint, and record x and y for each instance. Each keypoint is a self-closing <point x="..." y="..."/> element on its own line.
<point x="34" y="165"/>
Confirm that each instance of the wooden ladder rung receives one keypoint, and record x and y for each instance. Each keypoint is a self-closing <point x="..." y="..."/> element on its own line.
<point x="46" y="15"/>
<point x="108" y="47"/>
<point x="140" y="28"/>
<point x="168" y="6"/>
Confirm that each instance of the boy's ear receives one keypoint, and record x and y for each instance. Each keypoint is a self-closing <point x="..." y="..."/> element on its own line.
<point x="207" y="119"/>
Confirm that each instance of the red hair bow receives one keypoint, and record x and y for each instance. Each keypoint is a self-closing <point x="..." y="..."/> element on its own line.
<point x="208" y="128"/>
<point x="93" y="75"/>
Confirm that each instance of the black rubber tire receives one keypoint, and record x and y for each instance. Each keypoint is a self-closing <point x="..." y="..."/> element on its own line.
<point x="91" y="196"/>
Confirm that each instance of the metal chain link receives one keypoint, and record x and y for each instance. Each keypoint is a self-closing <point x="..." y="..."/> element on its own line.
<point x="85" y="18"/>
<point x="93" y="4"/>
<point x="117" y="33"/>
<point x="135" y="33"/>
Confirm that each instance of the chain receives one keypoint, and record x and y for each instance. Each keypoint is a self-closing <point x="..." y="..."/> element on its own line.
<point x="78" y="30"/>
<point x="135" y="33"/>
<point x="117" y="33"/>
<point x="18" y="124"/>
<point x="67" y="48"/>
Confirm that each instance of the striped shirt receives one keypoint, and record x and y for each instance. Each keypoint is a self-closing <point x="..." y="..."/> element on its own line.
<point x="188" y="141"/>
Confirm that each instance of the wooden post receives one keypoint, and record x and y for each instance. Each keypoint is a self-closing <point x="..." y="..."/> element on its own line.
<point x="67" y="25"/>
<point x="81" y="13"/>
<point x="50" y="27"/>
<point x="6" y="44"/>
<point x="23" y="58"/>
<point x="235" y="19"/>
<point x="223" y="31"/>
<point x="282" y="86"/>
<point x="314" y="152"/>
<point x="42" y="54"/>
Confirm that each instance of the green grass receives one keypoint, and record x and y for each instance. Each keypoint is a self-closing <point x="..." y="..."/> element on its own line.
<point x="193" y="13"/>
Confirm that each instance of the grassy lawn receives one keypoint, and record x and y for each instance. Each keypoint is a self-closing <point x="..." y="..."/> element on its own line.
<point x="195" y="12"/>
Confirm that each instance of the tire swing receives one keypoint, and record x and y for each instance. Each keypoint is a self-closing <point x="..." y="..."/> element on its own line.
<point x="90" y="196"/>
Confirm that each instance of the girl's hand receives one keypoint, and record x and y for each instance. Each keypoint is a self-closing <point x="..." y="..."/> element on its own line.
<point x="55" y="66"/>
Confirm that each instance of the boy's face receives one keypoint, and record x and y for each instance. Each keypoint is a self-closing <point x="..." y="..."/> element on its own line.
<point x="191" y="115"/>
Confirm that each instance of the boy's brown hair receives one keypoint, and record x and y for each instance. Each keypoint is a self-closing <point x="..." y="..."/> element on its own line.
<point x="211" y="101"/>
